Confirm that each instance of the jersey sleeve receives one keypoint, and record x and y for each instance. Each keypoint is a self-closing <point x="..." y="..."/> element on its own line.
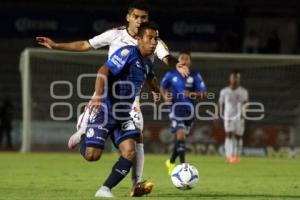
<point x="118" y="60"/>
<point x="166" y="81"/>
<point x="161" y="50"/>
<point x="222" y="97"/>
<point x="199" y="83"/>
<point x="103" y="39"/>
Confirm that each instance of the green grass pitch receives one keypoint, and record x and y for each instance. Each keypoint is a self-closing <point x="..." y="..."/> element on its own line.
<point x="63" y="176"/>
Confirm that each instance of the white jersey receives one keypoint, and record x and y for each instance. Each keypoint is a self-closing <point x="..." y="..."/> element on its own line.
<point x="233" y="101"/>
<point x="119" y="37"/>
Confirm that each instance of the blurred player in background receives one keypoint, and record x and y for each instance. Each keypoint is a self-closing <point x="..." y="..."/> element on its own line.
<point x="138" y="12"/>
<point x="113" y="101"/>
<point x="181" y="92"/>
<point x="231" y="103"/>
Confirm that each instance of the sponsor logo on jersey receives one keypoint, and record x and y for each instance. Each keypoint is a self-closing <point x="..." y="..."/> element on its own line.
<point x="129" y="125"/>
<point x="174" y="79"/>
<point x="117" y="61"/>
<point x="138" y="64"/>
<point x="90" y="133"/>
<point x="124" y="52"/>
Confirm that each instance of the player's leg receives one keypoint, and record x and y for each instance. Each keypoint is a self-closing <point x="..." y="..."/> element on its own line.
<point x="170" y="164"/>
<point x="138" y="164"/>
<point x="239" y="138"/>
<point x="180" y="144"/>
<point x="125" y="139"/>
<point x="81" y="128"/>
<point x="228" y="144"/>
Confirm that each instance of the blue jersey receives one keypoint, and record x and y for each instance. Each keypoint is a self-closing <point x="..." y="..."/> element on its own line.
<point x="182" y="112"/>
<point x="177" y="84"/>
<point x="127" y="72"/>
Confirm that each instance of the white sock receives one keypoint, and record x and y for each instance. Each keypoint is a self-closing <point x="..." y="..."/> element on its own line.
<point x="228" y="147"/>
<point x="138" y="165"/>
<point x="234" y="147"/>
<point x="240" y="147"/>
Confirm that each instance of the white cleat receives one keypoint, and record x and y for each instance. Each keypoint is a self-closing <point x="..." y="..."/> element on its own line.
<point x="104" y="192"/>
<point x="75" y="139"/>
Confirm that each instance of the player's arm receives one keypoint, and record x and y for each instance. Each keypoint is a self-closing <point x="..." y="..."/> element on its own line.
<point x="99" y="87"/>
<point x="82" y="45"/>
<point x="245" y="101"/>
<point x="164" y="87"/>
<point x="163" y="54"/>
<point x="221" y="104"/>
<point x="154" y="87"/>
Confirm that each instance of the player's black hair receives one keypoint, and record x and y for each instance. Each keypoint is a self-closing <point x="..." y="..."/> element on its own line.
<point x="185" y="52"/>
<point x="235" y="72"/>
<point x="147" y="25"/>
<point x="138" y="4"/>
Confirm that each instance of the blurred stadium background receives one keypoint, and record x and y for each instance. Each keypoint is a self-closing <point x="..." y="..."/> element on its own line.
<point x="227" y="31"/>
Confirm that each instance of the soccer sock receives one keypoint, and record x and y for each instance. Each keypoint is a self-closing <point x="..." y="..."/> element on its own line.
<point x="228" y="147"/>
<point x="240" y="147"/>
<point x="119" y="171"/>
<point x="181" y="151"/>
<point x="234" y="147"/>
<point x="174" y="153"/>
<point x="139" y="162"/>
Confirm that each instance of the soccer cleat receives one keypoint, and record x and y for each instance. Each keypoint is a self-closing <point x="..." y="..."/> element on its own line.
<point x="75" y="139"/>
<point x="237" y="159"/>
<point x="104" y="192"/>
<point x="141" y="188"/>
<point x="170" y="166"/>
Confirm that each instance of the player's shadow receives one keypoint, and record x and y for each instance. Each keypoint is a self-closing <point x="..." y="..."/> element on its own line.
<point x="225" y="195"/>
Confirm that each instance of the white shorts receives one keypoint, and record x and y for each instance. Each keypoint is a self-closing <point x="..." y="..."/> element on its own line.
<point x="236" y="126"/>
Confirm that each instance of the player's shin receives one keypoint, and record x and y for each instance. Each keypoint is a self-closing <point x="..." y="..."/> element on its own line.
<point x="139" y="162"/>
<point x="181" y="150"/>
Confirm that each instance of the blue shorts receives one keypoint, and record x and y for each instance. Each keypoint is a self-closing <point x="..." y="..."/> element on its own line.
<point x="101" y="126"/>
<point x="182" y="117"/>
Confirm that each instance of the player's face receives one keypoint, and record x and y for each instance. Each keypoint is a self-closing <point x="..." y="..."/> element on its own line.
<point x="147" y="43"/>
<point x="185" y="59"/>
<point x="135" y="18"/>
<point x="235" y="79"/>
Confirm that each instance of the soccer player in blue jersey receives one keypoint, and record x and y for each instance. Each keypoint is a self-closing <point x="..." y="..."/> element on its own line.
<point x="118" y="81"/>
<point x="181" y="92"/>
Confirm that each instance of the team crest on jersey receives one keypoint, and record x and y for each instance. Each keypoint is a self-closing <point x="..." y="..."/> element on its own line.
<point x="190" y="80"/>
<point x="90" y="133"/>
<point x="124" y="52"/>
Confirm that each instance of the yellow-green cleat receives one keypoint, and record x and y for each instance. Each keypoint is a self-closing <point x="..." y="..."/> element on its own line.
<point x="170" y="166"/>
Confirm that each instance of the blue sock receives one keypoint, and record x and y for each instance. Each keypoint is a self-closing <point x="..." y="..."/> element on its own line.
<point x="181" y="151"/>
<point x="119" y="171"/>
<point x="174" y="153"/>
<point x="82" y="145"/>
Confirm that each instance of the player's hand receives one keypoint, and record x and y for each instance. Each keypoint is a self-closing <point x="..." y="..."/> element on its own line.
<point x="95" y="103"/>
<point x="47" y="42"/>
<point x="182" y="69"/>
<point x="156" y="97"/>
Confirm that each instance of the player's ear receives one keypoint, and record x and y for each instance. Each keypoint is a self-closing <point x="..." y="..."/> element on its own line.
<point x="127" y="17"/>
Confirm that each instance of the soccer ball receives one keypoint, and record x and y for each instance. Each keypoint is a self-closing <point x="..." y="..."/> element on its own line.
<point x="184" y="176"/>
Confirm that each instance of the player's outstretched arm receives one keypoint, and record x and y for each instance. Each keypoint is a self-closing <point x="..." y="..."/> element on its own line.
<point x="173" y="63"/>
<point x="83" y="45"/>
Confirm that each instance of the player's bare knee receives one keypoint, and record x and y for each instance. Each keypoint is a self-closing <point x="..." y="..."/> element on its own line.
<point x="129" y="153"/>
<point x="92" y="154"/>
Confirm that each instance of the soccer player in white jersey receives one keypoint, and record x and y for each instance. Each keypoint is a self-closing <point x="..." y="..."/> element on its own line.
<point x="231" y="103"/>
<point x="115" y="39"/>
